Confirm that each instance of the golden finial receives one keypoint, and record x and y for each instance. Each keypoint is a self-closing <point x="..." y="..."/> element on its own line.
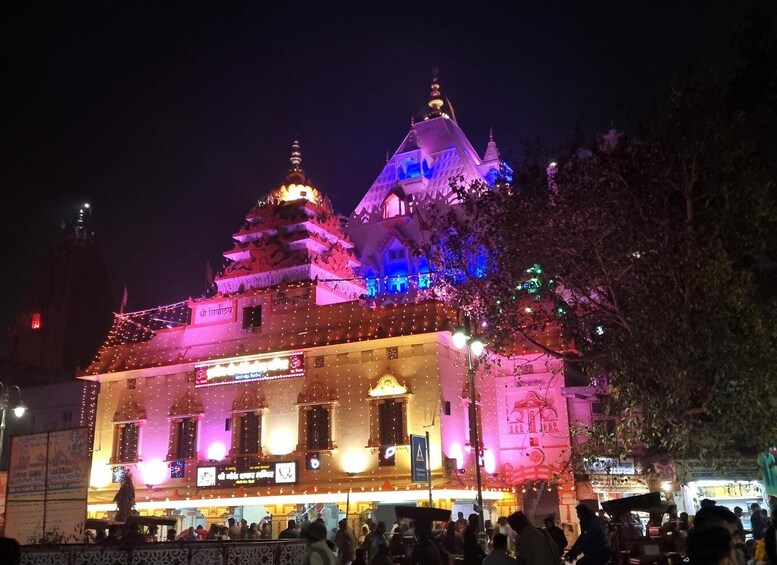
<point x="296" y="156"/>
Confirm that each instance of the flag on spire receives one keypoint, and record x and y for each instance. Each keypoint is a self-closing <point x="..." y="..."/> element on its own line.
<point x="123" y="304"/>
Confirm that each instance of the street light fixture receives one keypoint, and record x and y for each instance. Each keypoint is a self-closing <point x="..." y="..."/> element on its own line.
<point x="18" y="408"/>
<point x="473" y="346"/>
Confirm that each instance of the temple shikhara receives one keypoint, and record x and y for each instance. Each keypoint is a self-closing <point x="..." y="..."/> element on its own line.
<point x="298" y="383"/>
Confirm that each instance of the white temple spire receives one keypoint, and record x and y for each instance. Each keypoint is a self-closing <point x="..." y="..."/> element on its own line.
<point x="492" y="151"/>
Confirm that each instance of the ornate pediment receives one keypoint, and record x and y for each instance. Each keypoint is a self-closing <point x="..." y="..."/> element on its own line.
<point x="188" y="405"/>
<point x="388" y="385"/>
<point x="249" y="401"/>
<point x="317" y="393"/>
<point x="532" y="400"/>
<point x="130" y="411"/>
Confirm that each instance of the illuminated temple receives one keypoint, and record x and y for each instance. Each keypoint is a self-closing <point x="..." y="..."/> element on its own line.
<point x="296" y="388"/>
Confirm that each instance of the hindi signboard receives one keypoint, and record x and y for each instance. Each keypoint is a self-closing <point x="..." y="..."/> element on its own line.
<point x="256" y="368"/>
<point x="214" y="312"/>
<point x="48" y="480"/>
<point x="268" y="474"/>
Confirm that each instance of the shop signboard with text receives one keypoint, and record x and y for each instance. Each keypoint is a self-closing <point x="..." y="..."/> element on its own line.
<point x="247" y="369"/>
<point x="265" y="475"/>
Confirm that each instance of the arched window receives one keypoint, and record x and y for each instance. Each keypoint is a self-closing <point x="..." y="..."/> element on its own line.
<point x="247" y="412"/>
<point x="393" y="206"/>
<point x="127" y="423"/>
<point x="316" y="405"/>
<point x="388" y="413"/>
<point x="184" y="423"/>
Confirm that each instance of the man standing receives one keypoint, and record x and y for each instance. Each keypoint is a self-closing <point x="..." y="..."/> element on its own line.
<point x="556" y="533"/>
<point x="533" y="546"/>
<point x="499" y="555"/>
<point x="461" y="523"/>
<point x="318" y="552"/>
<point x="234" y="529"/>
<point x="345" y="540"/>
<point x="757" y="521"/>
<point x="290" y="532"/>
<point x="593" y="542"/>
<point x="740" y="527"/>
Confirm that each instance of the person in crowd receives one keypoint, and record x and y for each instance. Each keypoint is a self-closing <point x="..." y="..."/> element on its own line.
<point x="113" y="536"/>
<point x="473" y="552"/>
<point x="264" y="530"/>
<point x="451" y="539"/>
<point x="707" y="502"/>
<point x="504" y="528"/>
<point x="224" y="533"/>
<point x="499" y="555"/>
<point x="253" y="532"/>
<point x="243" y="529"/>
<point x="378" y="539"/>
<point x="360" y="554"/>
<point x="153" y="532"/>
<point x="720" y="517"/>
<point x="345" y="540"/>
<point x="382" y="555"/>
<point x="171" y="534"/>
<point x="213" y="532"/>
<point x="738" y="513"/>
<point x="10" y="551"/>
<point x="234" y="529"/>
<point x="593" y="542"/>
<point x="770" y="540"/>
<point x="366" y="543"/>
<point x="132" y="534"/>
<point x="396" y="547"/>
<point x="555" y="532"/>
<point x="461" y="523"/>
<point x="99" y="535"/>
<point x="683" y="522"/>
<point x="711" y="546"/>
<point x="758" y="522"/>
<point x="365" y="530"/>
<point x="489" y="527"/>
<point x="318" y="552"/>
<point x="201" y="532"/>
<point x="425" y="551"/>
<point x="533" y="546"/>
<point x="291" y="531"/>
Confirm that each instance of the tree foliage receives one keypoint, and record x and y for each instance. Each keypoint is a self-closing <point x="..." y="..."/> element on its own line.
<point x="654" y="254"/>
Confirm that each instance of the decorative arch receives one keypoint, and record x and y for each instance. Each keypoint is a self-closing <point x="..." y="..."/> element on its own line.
<point x="188" y="405"/>
<point x="249" y="401"/>
<point x="130" y="411"/>
<point x="388" y="385"/>
<point x="388" y="401"/>
<point x="317" y="392"/>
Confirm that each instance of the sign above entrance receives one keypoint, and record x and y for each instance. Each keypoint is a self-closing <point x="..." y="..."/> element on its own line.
<point x="269" y="474"/>
<point x="259" y="368"/>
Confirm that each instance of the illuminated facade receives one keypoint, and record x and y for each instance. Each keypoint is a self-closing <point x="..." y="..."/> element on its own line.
<point x="287" y="391"/>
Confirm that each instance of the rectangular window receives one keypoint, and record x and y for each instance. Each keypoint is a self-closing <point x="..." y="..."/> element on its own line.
<point x="185" y="439"/>
<point x="127" y="443"/>
<point x="391" y="421"/>
<point x="396" y="254"/>
<point x="252" y="317"/>
<point x="250" y="434"/>
<point x="318" y="428"/>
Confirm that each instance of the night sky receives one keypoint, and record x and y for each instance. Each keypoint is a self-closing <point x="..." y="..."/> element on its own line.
<point x="171" y="119"/>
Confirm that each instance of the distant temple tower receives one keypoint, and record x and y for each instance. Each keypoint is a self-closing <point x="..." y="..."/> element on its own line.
<point x="290" y="236"/>
<point x="389" y="220"/>
<point x="67" y="310"/>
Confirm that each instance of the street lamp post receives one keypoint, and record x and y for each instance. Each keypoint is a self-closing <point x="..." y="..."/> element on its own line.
<point x="473" y="346"/>
<point x="18" y="408"/>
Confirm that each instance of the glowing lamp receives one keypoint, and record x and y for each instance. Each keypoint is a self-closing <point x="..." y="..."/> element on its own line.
<point x="19" y="409"/>
<point x="468" y="448"/>
<point x="101" y="476"/>
<point x="281" y="442"/>
<point x="217" y="451"/>
<point x="153" y="472"/>
<point x="354" y="462"/>
<point x="489" y="462"/>
<point x="457" y="455"/>
<point x="459" y="338"/>
<point x="476" y="345"/>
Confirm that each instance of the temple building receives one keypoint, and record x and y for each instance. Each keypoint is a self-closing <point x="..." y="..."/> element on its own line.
<point x="290" y="392"/>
